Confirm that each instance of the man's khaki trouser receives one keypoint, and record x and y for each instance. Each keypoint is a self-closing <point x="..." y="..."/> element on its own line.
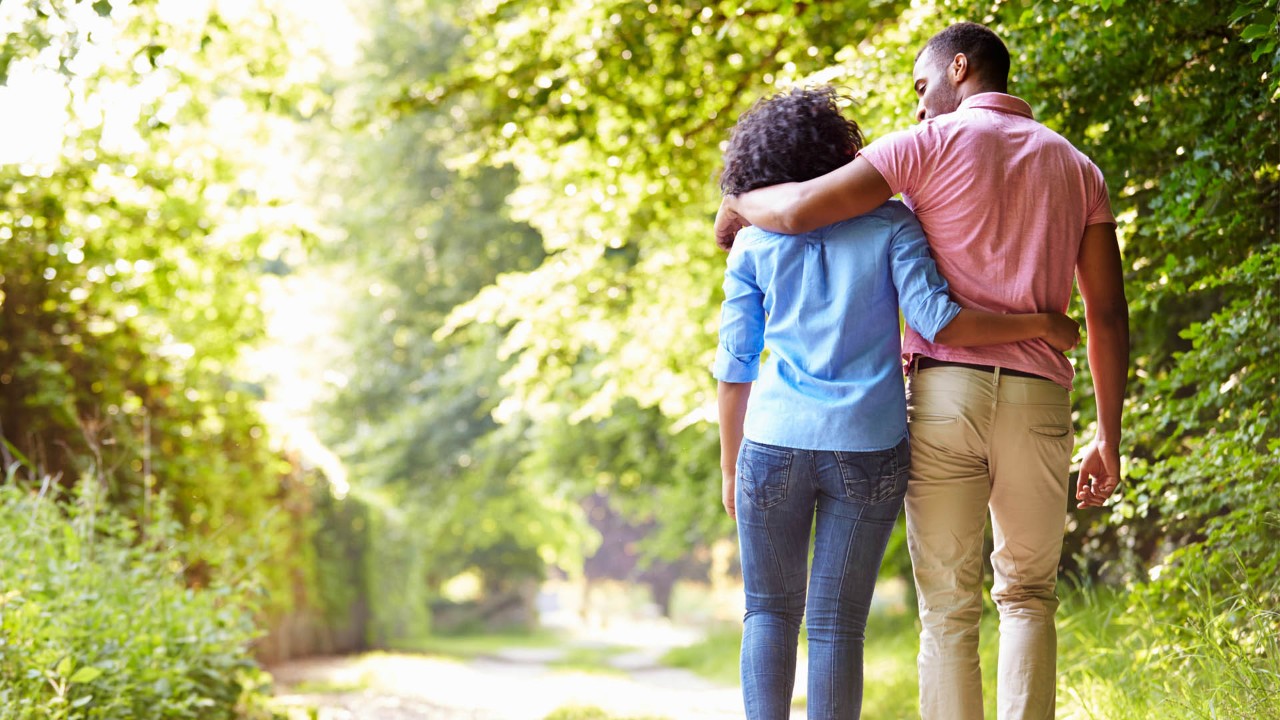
<point x="985" y="441"/>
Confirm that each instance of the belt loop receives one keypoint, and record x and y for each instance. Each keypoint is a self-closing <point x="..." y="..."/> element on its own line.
<point x="995" y="388"/>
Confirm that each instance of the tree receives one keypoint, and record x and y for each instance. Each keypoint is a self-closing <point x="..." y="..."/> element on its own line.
<point x="612" y="115"/>
<point x="131" y="254"/>
<point x="413" y="420"/>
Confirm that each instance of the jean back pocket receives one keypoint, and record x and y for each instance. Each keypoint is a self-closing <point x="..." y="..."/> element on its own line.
<point x="878" y="476"/>
<point x="763" y="473"/>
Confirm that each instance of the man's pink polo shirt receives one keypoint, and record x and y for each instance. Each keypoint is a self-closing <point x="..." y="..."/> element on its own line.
<point x="1004" y="202"/>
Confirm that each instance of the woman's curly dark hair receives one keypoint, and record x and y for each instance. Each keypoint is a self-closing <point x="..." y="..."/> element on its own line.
<point x="793" y="136"/>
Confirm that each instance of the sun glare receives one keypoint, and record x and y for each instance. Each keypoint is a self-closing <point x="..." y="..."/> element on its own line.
<point x="107" y="87"/>
<point x="33" y="113"/>
<point x="37" y="108"/>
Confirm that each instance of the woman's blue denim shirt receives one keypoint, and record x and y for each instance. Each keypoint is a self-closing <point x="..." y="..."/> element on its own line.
<point x="825" y="304"/>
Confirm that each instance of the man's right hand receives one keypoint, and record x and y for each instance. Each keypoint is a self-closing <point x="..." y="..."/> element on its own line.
<point x="1062" y="333"/>
<point x="728" y="223"/>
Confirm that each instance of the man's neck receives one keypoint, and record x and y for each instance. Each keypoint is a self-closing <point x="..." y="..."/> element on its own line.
<point x="968" y="91"/>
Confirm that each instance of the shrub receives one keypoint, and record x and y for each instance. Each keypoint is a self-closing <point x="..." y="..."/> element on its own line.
<point x="96" y="620"/>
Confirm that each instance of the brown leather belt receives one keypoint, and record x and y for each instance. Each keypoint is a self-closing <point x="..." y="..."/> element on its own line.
<point x="924" y="363"/>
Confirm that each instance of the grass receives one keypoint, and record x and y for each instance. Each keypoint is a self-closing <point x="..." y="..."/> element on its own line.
<point x="1211" y="657"/>
<point x="889" y="660"/>
<point x="1120" y="658"/>
<point x="468" y="646"/>
<point x="889" y="684"/>
<point x="594" y="660"/>
<point x="331" y="687"/>
<point x="715" y="658"/>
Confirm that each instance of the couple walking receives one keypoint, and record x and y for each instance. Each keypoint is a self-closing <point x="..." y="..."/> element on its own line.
<point x="822" y="265"/>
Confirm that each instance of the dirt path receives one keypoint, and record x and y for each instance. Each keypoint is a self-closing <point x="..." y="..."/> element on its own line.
<point x="512" y="684"/>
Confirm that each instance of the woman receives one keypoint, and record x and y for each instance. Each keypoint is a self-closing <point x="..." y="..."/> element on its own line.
<point x="825" y="434"/>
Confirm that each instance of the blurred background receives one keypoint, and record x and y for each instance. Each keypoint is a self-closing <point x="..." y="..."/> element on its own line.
<point x="354" y="354"/>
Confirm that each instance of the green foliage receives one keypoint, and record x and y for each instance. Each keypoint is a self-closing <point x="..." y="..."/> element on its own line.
<point x="530" y="286"/>
<point x="650" y="471"/>
<point x="591" y="660"/>
<point x="339" y="542"/>
<point x="395" y="567"/>
<point x="130" y="261"/>
<point x="414" y="419"/>
<point x="715" y="657"/>
<point x="612" y="116"/>
<point x="1200" y="654"/>
<point x="97" y="621"/>
<point x="1122" y="656"/>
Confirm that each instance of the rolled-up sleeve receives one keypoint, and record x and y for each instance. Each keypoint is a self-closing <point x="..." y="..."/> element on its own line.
<point x="742" y="319"/>
<point x="923" y="294"/>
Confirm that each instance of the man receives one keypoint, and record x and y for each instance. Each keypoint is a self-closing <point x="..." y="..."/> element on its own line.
<point x="1010" y="210"/>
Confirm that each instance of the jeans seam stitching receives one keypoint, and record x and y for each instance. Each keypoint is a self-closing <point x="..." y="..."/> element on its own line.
<point x="853" y="531"/>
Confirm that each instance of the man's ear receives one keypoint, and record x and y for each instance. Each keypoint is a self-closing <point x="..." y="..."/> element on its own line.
<point x="958" y="70"/>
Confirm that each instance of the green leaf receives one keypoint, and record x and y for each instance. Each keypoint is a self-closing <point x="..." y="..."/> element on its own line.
<point x="17" y="454"/>
<point x="103" y="7"/>
<point x="1263" y="50"/>
<point x="86" y="674"/>
<point x="1255" y="31"/>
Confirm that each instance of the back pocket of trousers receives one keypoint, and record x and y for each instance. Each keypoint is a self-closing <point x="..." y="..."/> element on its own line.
<point x="763" y="473"/>
<point x="875" y="477"/>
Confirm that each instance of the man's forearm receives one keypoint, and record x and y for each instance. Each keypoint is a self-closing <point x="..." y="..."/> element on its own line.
<point x="793" y="208"/>
<point x="1100" y="276"/>
<point x="777" y="208"/>
<point x="1108" y="333"/>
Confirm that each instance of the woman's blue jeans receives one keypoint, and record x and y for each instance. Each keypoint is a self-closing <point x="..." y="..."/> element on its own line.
<point x="856" y="498"/>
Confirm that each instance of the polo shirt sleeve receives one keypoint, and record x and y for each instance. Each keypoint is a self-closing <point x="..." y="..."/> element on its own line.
<point x="742" y="318"/>
<point x="1099" y="201"/>
<point x="903" y="158"/>
<point x="923" y="294"/>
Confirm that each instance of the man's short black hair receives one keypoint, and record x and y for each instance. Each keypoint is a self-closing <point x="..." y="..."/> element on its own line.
<point x="791" y="137"/>
<point x="988" y="56"/>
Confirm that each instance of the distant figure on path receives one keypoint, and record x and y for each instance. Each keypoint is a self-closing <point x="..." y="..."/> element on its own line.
<point x="1012" y="211"/>
<point x="826" y="431"/>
